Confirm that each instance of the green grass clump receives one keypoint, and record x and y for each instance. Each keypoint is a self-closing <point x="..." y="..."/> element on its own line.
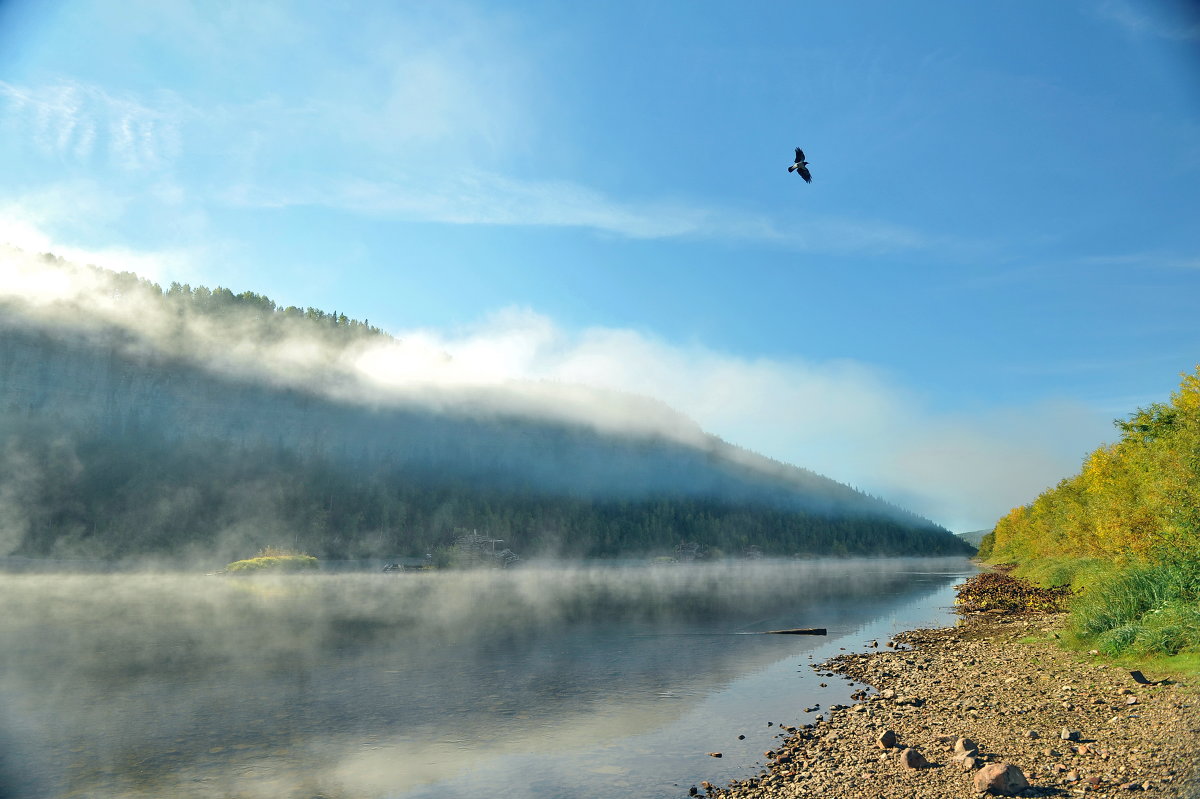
<point x="273" y="559"/>
<point x="1151" y="609"/>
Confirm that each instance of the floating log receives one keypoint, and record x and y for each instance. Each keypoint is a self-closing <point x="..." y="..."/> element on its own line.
<point x="798" y="631"/>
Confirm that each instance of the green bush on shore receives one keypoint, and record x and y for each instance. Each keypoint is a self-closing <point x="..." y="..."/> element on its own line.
<point x="273" y="559"/>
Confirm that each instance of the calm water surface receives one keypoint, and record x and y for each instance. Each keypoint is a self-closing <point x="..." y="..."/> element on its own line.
<point x="542" y="682"/>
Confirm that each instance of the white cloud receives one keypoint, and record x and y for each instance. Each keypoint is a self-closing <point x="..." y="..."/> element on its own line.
<point x="844" y="419"/>
<point x="50" y="219"/>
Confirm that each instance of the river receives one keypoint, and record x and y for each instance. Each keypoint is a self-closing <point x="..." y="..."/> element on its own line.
<point x="543" y="682"/>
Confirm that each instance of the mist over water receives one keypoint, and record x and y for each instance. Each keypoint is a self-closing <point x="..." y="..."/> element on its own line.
<point x="415" y="685"/>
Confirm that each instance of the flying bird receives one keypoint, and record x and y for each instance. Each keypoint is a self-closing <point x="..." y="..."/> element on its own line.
<point x="801" y="166"/>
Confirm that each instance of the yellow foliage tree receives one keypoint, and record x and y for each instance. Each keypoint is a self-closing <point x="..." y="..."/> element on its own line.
<point x="1132" y="500"/>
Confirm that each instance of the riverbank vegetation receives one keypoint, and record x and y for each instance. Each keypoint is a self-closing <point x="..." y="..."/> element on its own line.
<point x="995" y="591"/>
<point x="1124" y="533"/>
<point x="274" y="559"/>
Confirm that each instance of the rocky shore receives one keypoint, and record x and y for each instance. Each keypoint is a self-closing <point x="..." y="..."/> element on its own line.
<point x="945" y="712"/>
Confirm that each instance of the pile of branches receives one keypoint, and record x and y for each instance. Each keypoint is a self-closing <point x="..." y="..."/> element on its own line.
<point x="1002" y="593"/>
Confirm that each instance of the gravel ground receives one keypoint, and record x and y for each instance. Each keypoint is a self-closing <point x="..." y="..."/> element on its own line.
<point x="1071" y="723"/>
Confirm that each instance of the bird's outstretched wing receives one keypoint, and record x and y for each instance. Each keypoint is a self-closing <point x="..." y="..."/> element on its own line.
<point x="803" y="172"/>
<point x="799" y="155"/>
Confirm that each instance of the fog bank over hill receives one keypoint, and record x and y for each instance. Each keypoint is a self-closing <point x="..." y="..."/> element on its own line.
<point x="140" y="420"/>
<point x="342" y="359"/>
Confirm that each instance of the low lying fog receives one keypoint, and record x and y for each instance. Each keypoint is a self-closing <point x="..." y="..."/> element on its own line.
<point x="190" y="685"/>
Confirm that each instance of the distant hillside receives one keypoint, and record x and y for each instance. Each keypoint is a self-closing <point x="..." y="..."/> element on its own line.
<point x="974" y="538"/>
<point x="201" y="422"/>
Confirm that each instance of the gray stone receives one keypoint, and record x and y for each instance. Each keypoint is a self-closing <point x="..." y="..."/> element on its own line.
<point x="886" y="740"/>
<point x="1003" y="779"/>
<point x="1069" y="735"/>
<point x="965" y="746"/>
<point x="912" y="759"/>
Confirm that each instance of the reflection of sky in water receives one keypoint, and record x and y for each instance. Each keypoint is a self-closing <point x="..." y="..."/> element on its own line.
<point x="543" y="682"/>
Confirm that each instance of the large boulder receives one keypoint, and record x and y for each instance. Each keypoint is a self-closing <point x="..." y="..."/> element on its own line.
<point x="1003" y="779"/>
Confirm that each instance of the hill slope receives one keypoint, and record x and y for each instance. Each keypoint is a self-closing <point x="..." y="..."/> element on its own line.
<point x="193" y="421"/>
<point x="973" y="537"/>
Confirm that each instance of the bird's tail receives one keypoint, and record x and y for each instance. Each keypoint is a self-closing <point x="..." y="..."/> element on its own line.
<point x="792" y="168"/>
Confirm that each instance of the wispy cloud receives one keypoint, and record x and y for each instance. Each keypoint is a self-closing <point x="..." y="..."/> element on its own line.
<point x="484" y="198"/>
<point x="1140" y="260"/>
<point x="417" y="117"/>
<point x="1137" y="20"/>
<point x="77" y="122"/>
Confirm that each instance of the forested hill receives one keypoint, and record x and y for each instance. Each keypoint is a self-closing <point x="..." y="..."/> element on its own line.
<point x="195" y="422"/>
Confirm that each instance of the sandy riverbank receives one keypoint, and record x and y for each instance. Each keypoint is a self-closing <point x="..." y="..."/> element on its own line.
<point x="1002" y="683"/>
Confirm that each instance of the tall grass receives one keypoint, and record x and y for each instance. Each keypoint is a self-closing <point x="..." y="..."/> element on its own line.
<point x="1151" y="609"/>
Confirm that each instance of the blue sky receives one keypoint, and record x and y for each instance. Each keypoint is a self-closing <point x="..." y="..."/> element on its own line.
<point x="999" y="252"/>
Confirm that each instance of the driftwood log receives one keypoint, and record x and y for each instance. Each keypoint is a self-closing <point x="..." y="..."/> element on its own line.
<point x="798" y="631"/>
